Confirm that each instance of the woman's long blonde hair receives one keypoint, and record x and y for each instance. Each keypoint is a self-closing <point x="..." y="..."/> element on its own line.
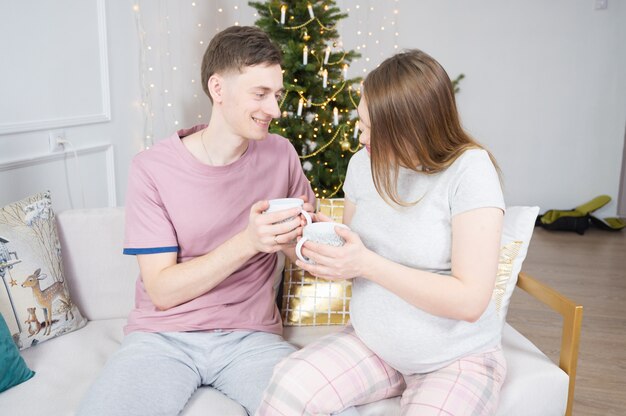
<point x="414" y="121"/>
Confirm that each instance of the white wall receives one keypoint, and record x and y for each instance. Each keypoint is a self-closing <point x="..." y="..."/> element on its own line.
<point x="25" y="163"/>
<point x="544" y="88"/>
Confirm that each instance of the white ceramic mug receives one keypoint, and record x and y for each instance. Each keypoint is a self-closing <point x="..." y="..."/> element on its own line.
<point x="322" y="233"/>
<point x="282" y="204"/>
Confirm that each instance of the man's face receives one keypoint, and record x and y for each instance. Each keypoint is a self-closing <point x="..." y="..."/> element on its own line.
<point x="251" y="98"/>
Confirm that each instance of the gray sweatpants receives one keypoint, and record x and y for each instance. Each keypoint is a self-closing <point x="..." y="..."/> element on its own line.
<point x="156" y="373"/>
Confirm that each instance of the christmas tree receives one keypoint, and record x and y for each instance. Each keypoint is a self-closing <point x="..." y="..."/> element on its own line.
<point x="320" y="100"/>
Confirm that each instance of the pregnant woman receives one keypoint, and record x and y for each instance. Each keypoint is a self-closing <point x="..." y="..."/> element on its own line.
<point x="425" y="208"/>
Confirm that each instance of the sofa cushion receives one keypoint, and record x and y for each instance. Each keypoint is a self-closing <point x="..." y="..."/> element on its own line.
<point x="35" y="300"/>
<point x="543" y="383"/>
<point x="92" y="240"/>
<point x="69" y="364"/>
<point x="103" y="279"/>
<point x="65" y="368"/>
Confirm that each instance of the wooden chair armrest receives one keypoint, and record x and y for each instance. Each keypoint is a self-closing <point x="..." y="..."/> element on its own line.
<point x="572" y="314"/>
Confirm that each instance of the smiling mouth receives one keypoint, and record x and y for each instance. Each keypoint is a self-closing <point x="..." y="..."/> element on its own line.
<point x="260" y="122"/>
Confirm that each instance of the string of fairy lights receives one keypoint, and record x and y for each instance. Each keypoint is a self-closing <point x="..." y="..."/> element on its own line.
<point x="376" y="30"/>
<point x="370" y="28"/>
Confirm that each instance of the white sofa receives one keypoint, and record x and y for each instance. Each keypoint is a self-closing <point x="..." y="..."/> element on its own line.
<point x="102" y="282"/>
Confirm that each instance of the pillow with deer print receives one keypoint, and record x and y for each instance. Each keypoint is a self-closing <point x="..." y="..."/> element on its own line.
<point x="34" y="298"/>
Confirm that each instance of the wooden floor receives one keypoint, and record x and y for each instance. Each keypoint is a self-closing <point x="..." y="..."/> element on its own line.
<point x="591" y="270"/>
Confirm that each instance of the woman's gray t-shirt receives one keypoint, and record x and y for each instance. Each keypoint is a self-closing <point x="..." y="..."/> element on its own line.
<point x="406" y="337"/>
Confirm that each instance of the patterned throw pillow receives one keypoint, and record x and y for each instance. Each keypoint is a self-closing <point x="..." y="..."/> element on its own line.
<point x="517" y="230"/>
<point x="308" y="300"/>
<point x="311" y="301"/>
<point x="34" y="298"/>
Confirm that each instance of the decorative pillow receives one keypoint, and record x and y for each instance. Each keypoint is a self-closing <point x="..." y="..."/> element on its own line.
<point x="311" y="301"/>
<point x="13" y="369"/>
<point x="517" y="230"/>
<point x="332" y="208"/>
<point x="34" y="299"/>
<point x="308" y="300"/>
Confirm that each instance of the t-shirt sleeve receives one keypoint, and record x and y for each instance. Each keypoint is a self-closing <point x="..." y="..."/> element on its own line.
<point x="148" y="227"/>
<point x="476" y="184"/>
<point x="298" y="183"/>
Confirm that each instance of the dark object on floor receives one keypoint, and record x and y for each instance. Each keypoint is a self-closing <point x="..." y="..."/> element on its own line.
<point x="580" y="218"/>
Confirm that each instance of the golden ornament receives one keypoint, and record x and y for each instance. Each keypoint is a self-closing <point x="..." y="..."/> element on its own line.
<point x="345" y="145"/>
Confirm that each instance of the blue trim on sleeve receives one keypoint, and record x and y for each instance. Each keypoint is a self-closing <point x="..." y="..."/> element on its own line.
<point x="151" y="250"/>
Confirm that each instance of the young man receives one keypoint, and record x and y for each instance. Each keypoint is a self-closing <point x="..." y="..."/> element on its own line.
<point x="204" y="304"/>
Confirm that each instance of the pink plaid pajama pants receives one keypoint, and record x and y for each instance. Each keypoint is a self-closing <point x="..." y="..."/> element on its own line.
<point x="339" y="371"/>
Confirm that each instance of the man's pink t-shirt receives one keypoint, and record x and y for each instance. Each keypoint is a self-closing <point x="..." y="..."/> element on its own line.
<point x="175" y="203"/>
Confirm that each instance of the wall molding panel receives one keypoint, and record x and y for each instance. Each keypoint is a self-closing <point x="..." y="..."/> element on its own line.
<point x="89" y="173"/>
<point x="53" y="94"/>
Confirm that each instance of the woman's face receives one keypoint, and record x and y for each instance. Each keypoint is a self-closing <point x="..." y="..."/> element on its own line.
<point x="364" y="124"/>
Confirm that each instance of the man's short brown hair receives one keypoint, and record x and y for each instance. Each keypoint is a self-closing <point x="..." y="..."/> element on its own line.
<point x="237" y="47"/>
